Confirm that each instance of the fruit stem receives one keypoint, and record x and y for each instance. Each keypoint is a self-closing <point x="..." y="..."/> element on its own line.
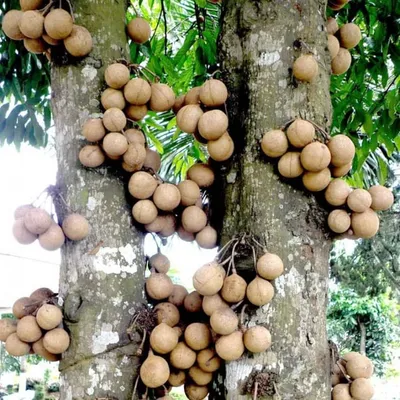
<point x="232" y="261"/>
<point x="321" y="130"/>
<point x="217" y="71"/>
<point x="134" y="9"/>
<point x="235" y="306"/>
<point x="254" y="257"/>
<point x="343" y="371"/>
<point x="140" y="349"/>
<point x="242" y="315"/>
<point x="283" y="127"/>
<point x="44" y="10"/>
<point x="255" y="391"/>
<point x="225" y="247"/>
<point x="135" y="387"/>
<point x="264" y="249"/>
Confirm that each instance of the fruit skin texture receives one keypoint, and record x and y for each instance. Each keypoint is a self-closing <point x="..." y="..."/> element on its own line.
<point x="159" y="286"/>
<point x="331" y="26"/>
<point x="113" y="98"/>
<point x="58" y="24"/>
<point x="193" y="302"/>
<point x="21" y="234"/>
<point x="162" y="97"/>
<point x="213" y="93"/>
<point x="213" y="303"/>
<point x="21" y="307"/>
<point x="190" y="192"/>
<point x="333" y="46"/>
<point x="37" y="221"/>
<point x="93" y="130"/>
<point x="289" y="165"/>
<point x="28" y="330"/>
<point x="359" y="200"/>
<point x="117" y="75"/>
<point x="341" y="63"/>
<point x="80" y="42"/>
<point x="359" y="367"/>
<point x="274" y="143"/>
<point x="195" y="392"/>
<point x="202" y="174"/>
<point x="222" y="148"/>
<point x="39" y="349"/>
<point x="75" y="226"/>
<point x="163" y="339"/>
<point x="366" y="224"/>
<point x="168" y="313"/>
<point x="56" y="341"/>
<point x="137" y="92"/>
<point x="49" y="316"/>
<point x="139" y="30"/>
<point x="259" y="291"/>
<point x="341" y="392"/>
<point x="167" y="197"/>
<point x="224" y="321"/>
<point x="91" y="156"/>
<point x="230" y="347"/>
<point x="208" y="360"/>
<point x="114" y="120"/>
<point x="208" y="279"/>
<point x="213" y="124"/>
<point x="339" y="221"/>
<point x="257" y="339"/>
<point x="337" y="192"/>
<point x="182" y="356"/>
<point x="361" y="389"/>
<point x="10" y="25"/>
<point x="234" y="288"/>
<point x="199" y="376"/>
<point x="144" y="211"/>
<point x="22" y="210"/>
<point x="7" y="327"/>
<point x="53" y="238"/>
<point x="315" y="157"/>
<point x="382" y="198"/>
<point x="194" y="219"/>
<point x="338" y="172"/>
<point x="342" y="150"/>
<point x="300" y="133"/>
<point x="349" y="35"/>
<point x="317" y="181"/>
<point x="31" y="24"/>
<point x="178" y="295"/>
<point x="154" y="371"/>
<point x="35" y="46"/>
<point x="160" y="262"/>
<point x="305" y="68"/>
<point x="197" y="336"/>
<point x="30" y="4"/>
<point x="16" y="347"/>
<point x="270" y="266"/>
<point x="188" y="117"/>
<point x="142" y="185"/>
<point x="207" y="238"/>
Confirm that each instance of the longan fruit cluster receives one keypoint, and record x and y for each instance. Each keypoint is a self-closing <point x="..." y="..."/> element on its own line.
<point x="33" y="223"/>
<point x="37" y="328"/>
<point x="41" y="26"/>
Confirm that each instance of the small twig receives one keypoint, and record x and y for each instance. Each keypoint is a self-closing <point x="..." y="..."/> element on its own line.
<point x="165" y="26"/>
<point x="135" y="387"/>
<point x="242" y="315"/>
<point x="259" y="244"/>
<point x="255" y="391"/>
<point x="139" y="351"/>
<point x="224" y="248"/>
<point x="237" y="305"/>
<point x="225" y="261"/>
<point x="134" y="9"/>
<point x="342" y="370"/>
<point x="96" y="249"/>
<point x="232" y="263"/>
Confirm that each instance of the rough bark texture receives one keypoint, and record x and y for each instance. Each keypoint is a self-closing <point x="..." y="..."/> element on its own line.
<point x="101" y="291"/>
<point x="257" y="53"/>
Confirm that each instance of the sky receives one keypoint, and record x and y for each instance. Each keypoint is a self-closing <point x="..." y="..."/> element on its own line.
<point x="23" y="268"/>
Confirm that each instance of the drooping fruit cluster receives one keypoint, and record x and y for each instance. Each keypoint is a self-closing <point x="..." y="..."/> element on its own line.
<point x="33" y="223"/>
<point x="337" y="4"/>
<point x="42" y="29"/>
<point x="37" y="328"/>
<point x="351" y="378"/>
<point x="340" y="41"/>
<point x="199" y="113"/>
<point x="197" y="331"/>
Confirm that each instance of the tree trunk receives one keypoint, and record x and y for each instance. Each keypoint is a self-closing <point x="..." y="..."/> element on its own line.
<point x="101" y="288"/>
<point x="363" y="334"/>
<point x="257" y="53"/>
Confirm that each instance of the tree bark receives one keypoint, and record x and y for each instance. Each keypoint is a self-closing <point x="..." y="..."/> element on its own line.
<point x="103" y="288"/>
<point x="257" y="52"/>
<point x="363" y="334"/>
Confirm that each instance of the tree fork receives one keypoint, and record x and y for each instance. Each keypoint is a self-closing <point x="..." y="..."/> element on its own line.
<point x="102" y="277"/>
<point x="257" y="50"/>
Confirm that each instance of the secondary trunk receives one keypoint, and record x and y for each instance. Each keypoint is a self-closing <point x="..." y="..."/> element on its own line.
<point x="102" y="276"/>
<point x="257" y="53"/>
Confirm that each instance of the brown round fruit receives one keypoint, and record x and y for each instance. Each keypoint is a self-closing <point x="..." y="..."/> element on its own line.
<point x="193" y="302"/>
<point x="22" y="307"/>
<point x="349" y="35"/>
<point x="154" y="371"/>
<point x="300" y="133"/>
<point x="31" y="24"/>
<point x="339" y="221"/>
<point x="163" y="339"/>
<point x="152" y="160"/>
<point x="169" y="227"/>
<point x="197" y="336"/>
<point x="234" y="289"/>
<point x="194" y="219"/>
<point x="222" y="148"/>
<point x="40" y="350"/>
<point x="270" y="266"/>
<point x="333" y="46"/>
<point x="202" y="174"/>
<point x="159" y="286"/>
<point x="213" y="303"/>
<point x="114" y="119"/>
<point x="366" y="224"/>
<point x="259" y="291"/>
<point x="91" y="156"/>
<point x="35" y="46"/>
<point x="337" y="192"/>
<point x="190" y="192"/>
<point x="274" y="143"/>
<point x="359" y="200"/>
<point x="207" y="238"/>
<point x="22" y="210"/>
<point x="342" y="150"/>
<point x="208" y="279"/>
<point x="162" y="97"/>
<point x="341" y="63"/>
<point x="10" y="25"/>
<point x="117" y="75"/>
<point x="168" y="313"/>
<point x="30" y="4"/>
<point x="139" y="30"/>
<point x="49" y="316"/>
<point x="134" y="156"/>
<point x="213" y="124"/>
<point x="142" y="185"/>
<point x="144" y="212"/>
<point x="53" y="238"/>
<point x="331" y="26"/>
<point x="56" y="341"/>
<point x="341" y="392"/>
<point x="135" y="136"/>
<point x="136" y="113"/>
<point x="28" y="330"/>
<point x="208" y="360"/>
<point x="213" y="93"/>
<point x="317" y="181"/>
<point x="58" y="24"/>
<point x="362" y="389"/>
<point x="200" y="377"/>
<point x="21" y="234"/>
<point x="230" y="347"/>
<point x="137" y="92"/>
<point x="75" y="227"/>
<point x="157" y="225"/>
<point x="289" y="165"/>
<point x="305" y="68"/>
<point x="178" y="295"/>
<point x="16" y="347"/>
<point x="182" y="356"/>
<point x="37" y="221"/>
<point x="257" y="339"/>
<point x="167" y="197"/>
<point x="177" y="378"/>
<point x="179" y="103"/>
<point x="193" y="96"/>
<point x="112" y="98"/>
<point x="194" y="392"/>
<point x="382" y="198"/>
<point x="224" y="321"/>
<point x="7" y="327"/>
<point x="93" y="130"/>
<point x="41" y="294"/>
<point x="338" y="172"/>
<point x="359" y="367"/>
<point x="160" y="262"/>
<point x="188" y="117"/>
<point x="49" y="40"/>
<point x="79" y="43"/>
<point x="315" y="157"/>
